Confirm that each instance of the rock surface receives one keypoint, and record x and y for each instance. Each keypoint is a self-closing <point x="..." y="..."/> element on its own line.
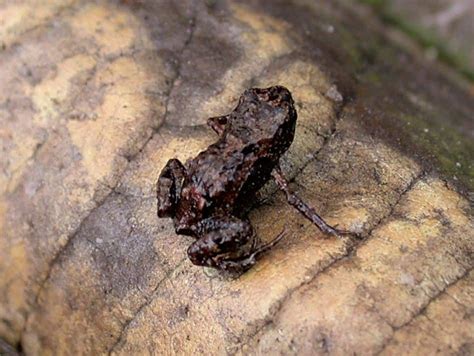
<point x="97" y="96"/>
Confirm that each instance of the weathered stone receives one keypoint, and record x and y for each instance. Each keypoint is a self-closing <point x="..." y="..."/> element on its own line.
<point x="97" y="96"/>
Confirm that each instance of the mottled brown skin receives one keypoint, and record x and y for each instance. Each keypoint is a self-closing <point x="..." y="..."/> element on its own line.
<point x="209" y="196"/>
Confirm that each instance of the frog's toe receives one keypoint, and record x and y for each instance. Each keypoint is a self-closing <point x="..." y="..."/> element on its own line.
<point x="342" y="232"/>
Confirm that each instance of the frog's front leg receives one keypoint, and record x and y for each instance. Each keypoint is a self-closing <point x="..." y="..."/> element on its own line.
<point x="168" y="187"/>
<point x="218" y="123"/>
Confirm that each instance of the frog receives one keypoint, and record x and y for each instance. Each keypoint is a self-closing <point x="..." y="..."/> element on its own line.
<point x="209" y="197"/>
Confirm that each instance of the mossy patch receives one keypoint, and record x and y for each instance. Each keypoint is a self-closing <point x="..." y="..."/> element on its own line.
<point x="453" y="152"/>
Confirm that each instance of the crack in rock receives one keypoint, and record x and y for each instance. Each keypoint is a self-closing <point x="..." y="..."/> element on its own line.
<point x="146" y="303"/>
<point x="72" y="237"/>
<point x="423" y="309"/>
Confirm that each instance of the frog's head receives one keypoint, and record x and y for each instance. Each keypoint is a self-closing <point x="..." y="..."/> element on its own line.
<point x="276" y="96"/>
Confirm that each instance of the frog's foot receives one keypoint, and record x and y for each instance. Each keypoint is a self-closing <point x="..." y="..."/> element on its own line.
<point x="245" y="262"/>
<point x="342" y="233"/>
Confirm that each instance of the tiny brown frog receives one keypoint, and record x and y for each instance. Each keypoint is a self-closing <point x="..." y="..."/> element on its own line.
<point x="209" y="196"/>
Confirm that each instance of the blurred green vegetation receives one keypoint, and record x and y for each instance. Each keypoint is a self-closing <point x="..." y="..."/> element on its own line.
<point x="426" y="38"/>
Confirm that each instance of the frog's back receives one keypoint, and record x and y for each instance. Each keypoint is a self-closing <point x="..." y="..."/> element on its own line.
<point x="258" y="132"/>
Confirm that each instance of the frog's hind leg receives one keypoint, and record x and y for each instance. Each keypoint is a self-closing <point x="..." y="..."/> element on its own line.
<point x="245" y="262"/>
<point x="218" y="123"/>
<point x="220" y="237"/>
<point x="221" y="244"/>
<point x="303" y="208"/>
<point x="168" y="187"/>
